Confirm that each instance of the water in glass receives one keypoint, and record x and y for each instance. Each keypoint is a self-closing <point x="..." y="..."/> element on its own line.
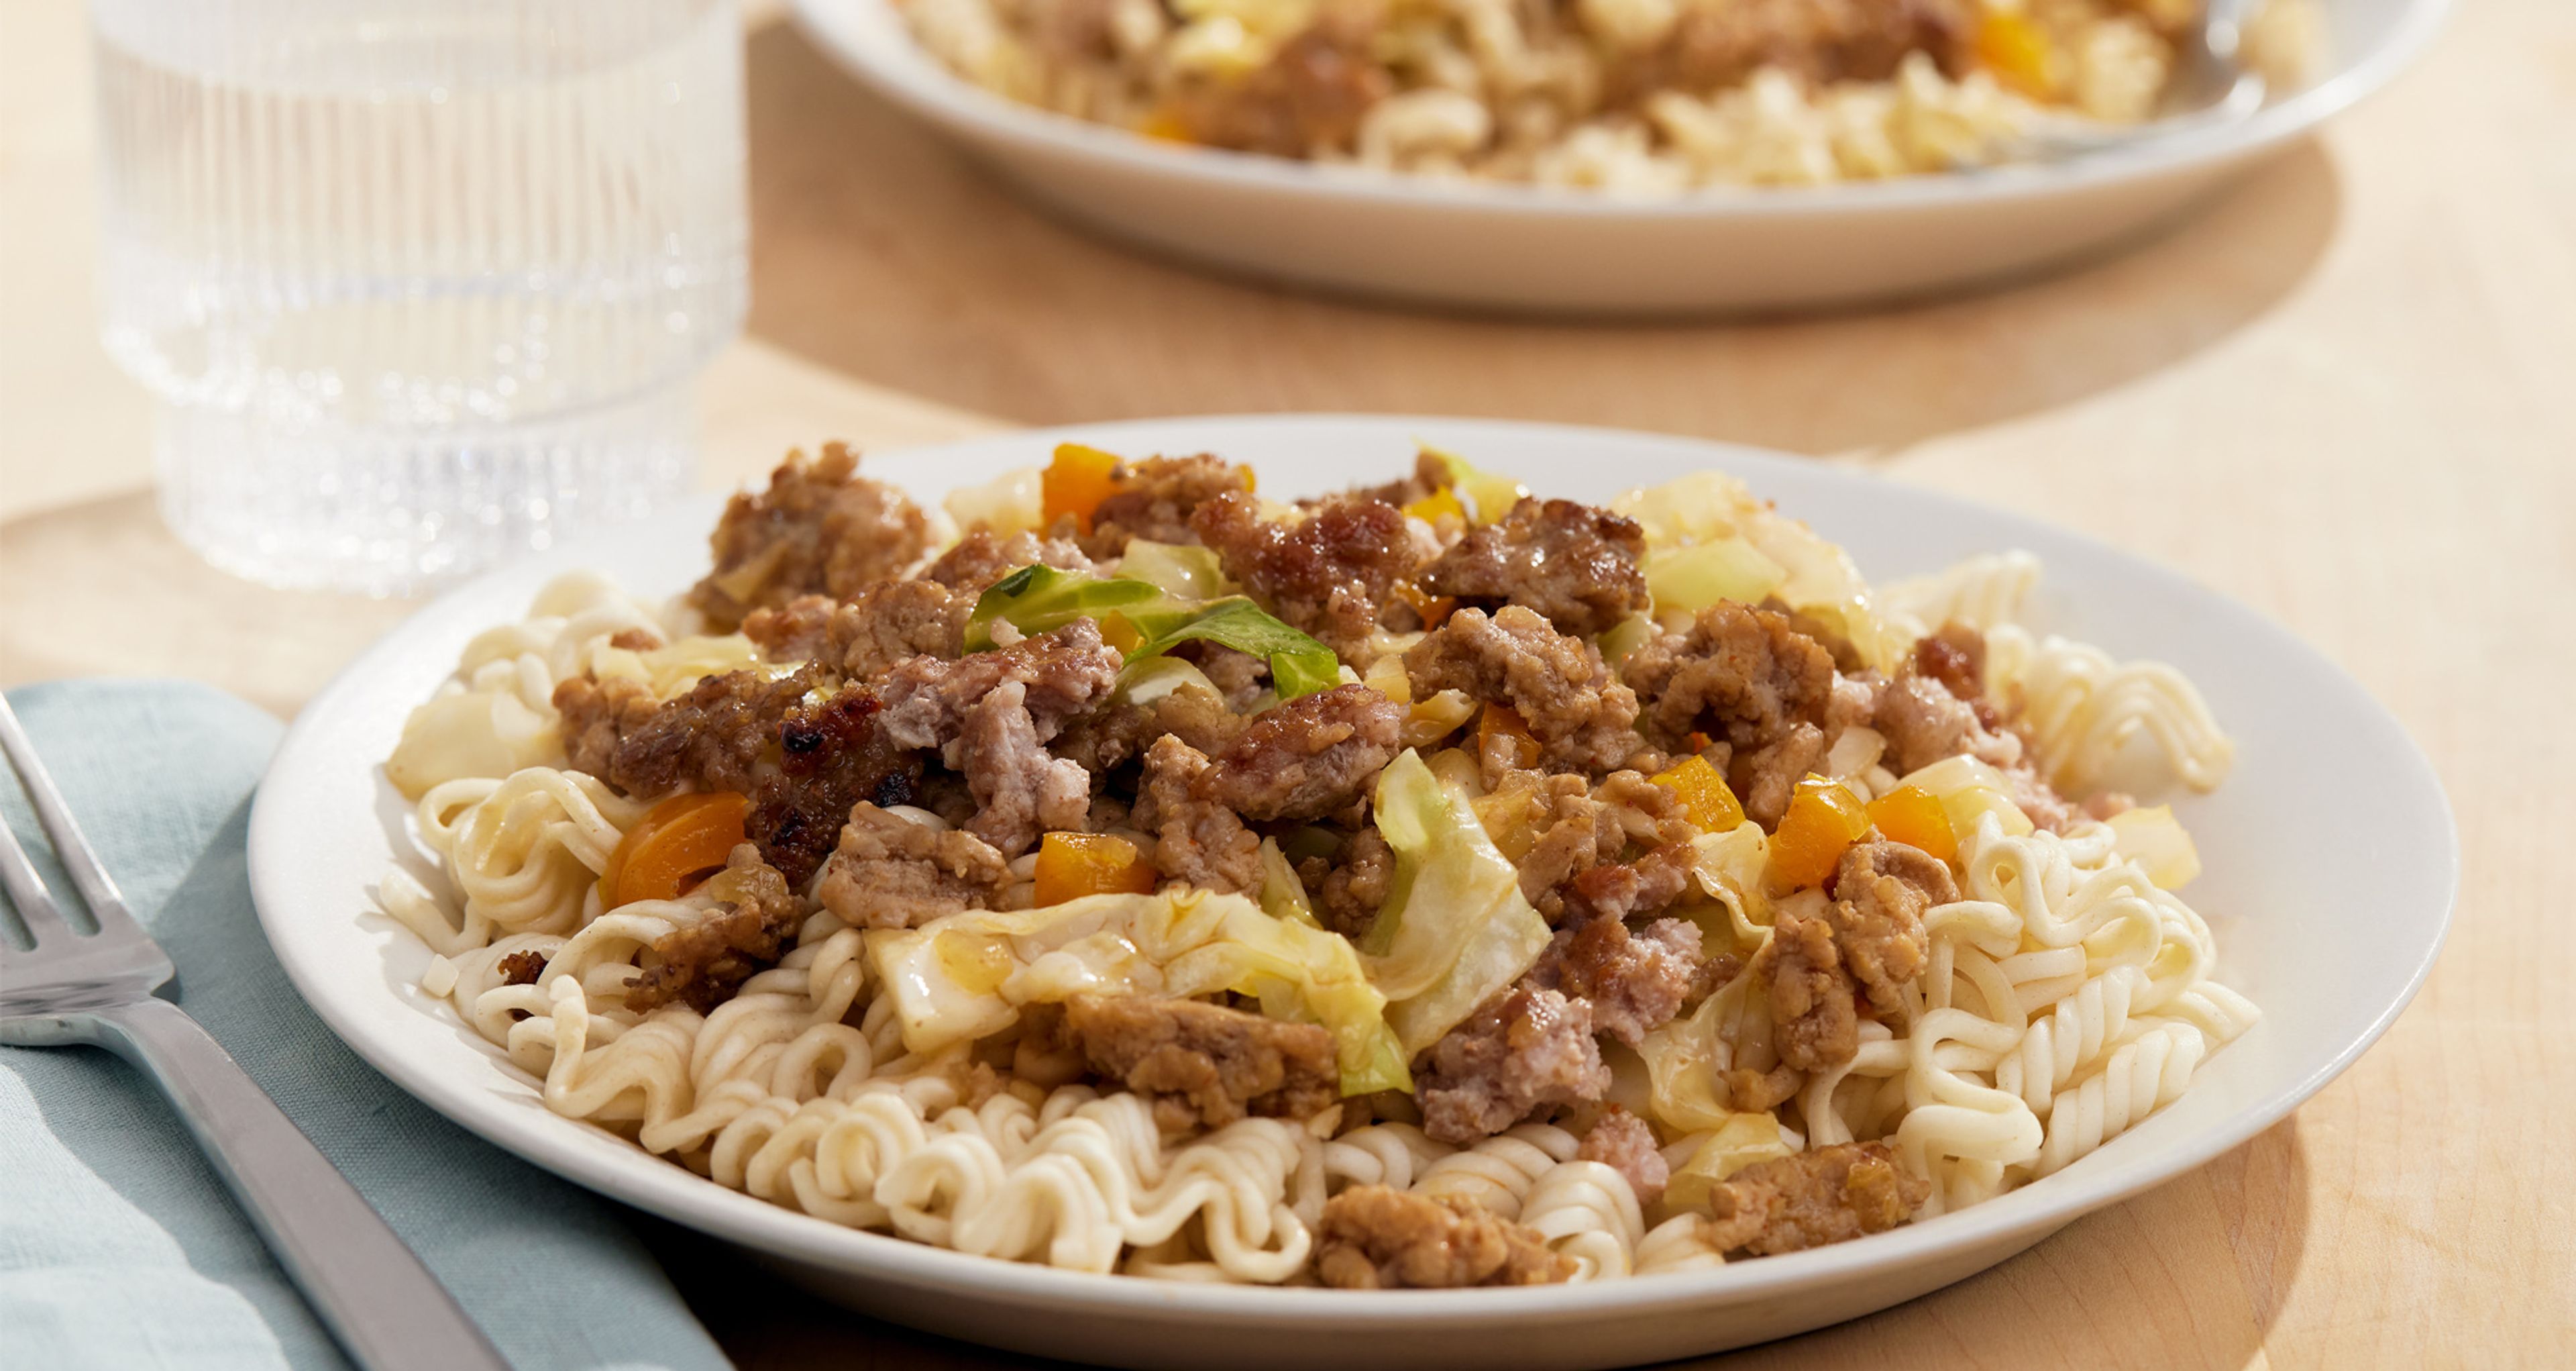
<point x="417" y="283"/>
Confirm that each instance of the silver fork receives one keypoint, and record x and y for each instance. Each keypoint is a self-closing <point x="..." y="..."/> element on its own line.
<point x="97" y="989"/>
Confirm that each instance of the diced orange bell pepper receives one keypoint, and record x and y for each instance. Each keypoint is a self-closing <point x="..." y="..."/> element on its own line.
<point x="1072" y="865"/>
<point x="1911" y="815"/>
<point x="1502" y="727"/>
<point x="1434" y="609"/>
<point x="1706" y="799"/>
<point x="681" y="841"/>
<point x="2014" y="49"/>
<point x="1823" y="820"/>
<point x="1076" y="482"/>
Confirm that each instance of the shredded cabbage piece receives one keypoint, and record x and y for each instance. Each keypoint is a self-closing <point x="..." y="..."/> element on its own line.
<point x="1693" y="578"/>
<point x="1283" y="896"/>
<point x="1454" y="929"/>
<point x="1817" y="577"/>
<point x="966" y="976"/>
<point x="1730" y="867"/>
<point x="1741" y="1141"/>
<point x="1013" y="502"/>
<point x="1489" y="496"/>
<point x="470" y="733"/>
<point x="1183" y="571"/>
<point x="1682" y="1061"/>
<point x="2158" y="843"/>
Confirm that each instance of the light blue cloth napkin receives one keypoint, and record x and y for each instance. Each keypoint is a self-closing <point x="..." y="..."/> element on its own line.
<point x="118" y="1246"/>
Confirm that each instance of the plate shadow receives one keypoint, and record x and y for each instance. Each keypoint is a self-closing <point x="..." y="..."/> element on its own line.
<point x="883" y="254"/>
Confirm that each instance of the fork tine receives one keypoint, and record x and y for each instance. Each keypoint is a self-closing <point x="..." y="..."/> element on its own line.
<point x="27" y="892"/>
<point x="106" y="904"/>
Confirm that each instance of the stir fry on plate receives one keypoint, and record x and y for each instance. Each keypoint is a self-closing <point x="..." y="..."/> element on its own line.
<point x="1433" y="884"/>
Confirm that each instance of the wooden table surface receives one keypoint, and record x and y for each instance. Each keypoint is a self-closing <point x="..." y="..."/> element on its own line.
<point x="2345" y="394"/>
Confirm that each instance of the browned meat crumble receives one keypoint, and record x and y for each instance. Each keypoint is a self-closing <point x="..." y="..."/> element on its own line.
<point x="991" y="714"/>
<point x="1745" y="678"/>
<point x="1310" y="95"/>
<point x="1376" y="1238"/>
<point x="1153" y="500"/>
<point x="1308" y="758"/>
<point x="1573" y="827"/>
<point x="1328" y="573"/>
<point x="1531" y="1046"/>
<point x="1351" y="886"/>
<point x="1819" y="41"/>
<point x="1203" y="1064"/>
<point x="1583" y="718"/>
<point x="1955" y="655"/>
<point x="890" y="872"/>
<point x="1624" y="1143"/>
<point x="702" y="965"/>
<point x="1825" y="957"/>
<point x="1808" y="1199"/>
<point x="1574" y="564"/>
<point x="1634" y="982"/>
<point x="862" y="637"/>
<point x="1198" y="841"/>
<point x="819" y="528"/>
<point x="1119" y="732"/>
<point x="597" y="716"/>
<point x="803" y="761"/>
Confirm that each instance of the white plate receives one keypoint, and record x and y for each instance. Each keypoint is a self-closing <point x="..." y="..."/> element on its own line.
<point x="1523" y="249"/>
<point x="2331" y="869"/>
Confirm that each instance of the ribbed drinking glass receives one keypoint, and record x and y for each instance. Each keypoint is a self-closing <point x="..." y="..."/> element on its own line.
<point x="417" y="283"/>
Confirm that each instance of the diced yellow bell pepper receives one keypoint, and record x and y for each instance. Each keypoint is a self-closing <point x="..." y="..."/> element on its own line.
<point x="2017" y="52"/>
<point x="1076" y="482"/>
<point x="1912" y="816"/>
<point x="1706" y="799"/>
<point x="1120" y="634"/>
<point x="1439" y="504"/>
<point x="1823" y="821"/>
<point x="1072" y="865"/>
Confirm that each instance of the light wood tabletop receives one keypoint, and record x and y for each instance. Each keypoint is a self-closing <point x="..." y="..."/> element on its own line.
<point x="2344" y="394"/>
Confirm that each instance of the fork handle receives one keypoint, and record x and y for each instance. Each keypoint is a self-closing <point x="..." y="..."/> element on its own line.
<point x="388" y="1312"/>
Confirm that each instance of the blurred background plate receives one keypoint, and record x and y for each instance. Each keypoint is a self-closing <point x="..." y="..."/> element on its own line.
<point x="1522" y="249"/>
<point x="2331" y="862"/>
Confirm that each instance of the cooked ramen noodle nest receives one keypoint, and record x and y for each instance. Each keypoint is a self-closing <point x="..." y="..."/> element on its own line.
<point x="1631" y="96"/>
<point x="1431" y="884"/>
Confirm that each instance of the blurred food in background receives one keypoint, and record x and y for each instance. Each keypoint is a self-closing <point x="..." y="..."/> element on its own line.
<point x="1631" y="96"/>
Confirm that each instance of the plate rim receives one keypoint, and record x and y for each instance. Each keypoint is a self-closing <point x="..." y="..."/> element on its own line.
<point x="917" y="82"/>
<point x="656" y="1185"/>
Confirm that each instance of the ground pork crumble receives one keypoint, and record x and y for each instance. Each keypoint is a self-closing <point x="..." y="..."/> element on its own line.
<point x="1376" y="1238"/>
<point x="819" y="528"/>
<point x="1202" y="1064"/>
